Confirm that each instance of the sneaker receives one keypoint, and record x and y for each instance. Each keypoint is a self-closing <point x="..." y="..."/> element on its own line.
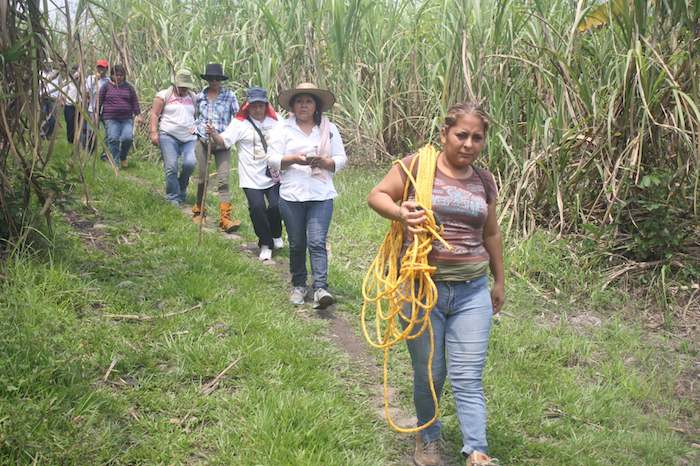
<point x="297" y="295"/>
<point x="265" y="253"/>
<point x="277" y="243"/>
<point x="322" y="299"/>
<point x="427" y="453"/>
<point x="481" y="459"/>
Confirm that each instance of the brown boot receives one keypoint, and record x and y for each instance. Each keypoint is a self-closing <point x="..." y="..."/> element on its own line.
<point x="124" y="163"/>
<point x="197" y="214"/>
<point x="225" y="222"/>
<point x="427" y="453"/>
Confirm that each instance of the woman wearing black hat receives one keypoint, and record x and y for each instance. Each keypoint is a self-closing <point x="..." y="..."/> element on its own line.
<point x="308" y="150"/>
<point x="217" y="106"/>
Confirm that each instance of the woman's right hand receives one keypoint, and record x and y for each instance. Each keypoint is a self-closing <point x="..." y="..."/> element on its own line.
<point x="299" y="159"/>
<point x="155" y="139"/>
<point x="412" y="215"/>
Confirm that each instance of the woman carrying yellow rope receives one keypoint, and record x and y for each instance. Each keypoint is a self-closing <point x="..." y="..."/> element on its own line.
<point x="445" y="236"/>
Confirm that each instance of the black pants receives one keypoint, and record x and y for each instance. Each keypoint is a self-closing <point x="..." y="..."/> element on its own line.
<point x="69" y="116"/>
<point x="48" y="117"/>
<point x="266" y="219"/>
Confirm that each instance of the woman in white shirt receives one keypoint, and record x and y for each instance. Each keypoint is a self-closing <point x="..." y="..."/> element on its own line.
<point x="69" y="98"/>
<point x="250" y="131"/>
<point x="172" y="128"/>
<point x="308" y="150"/>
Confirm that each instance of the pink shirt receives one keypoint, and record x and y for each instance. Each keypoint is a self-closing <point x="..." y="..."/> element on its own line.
<point x="461" y="206"/>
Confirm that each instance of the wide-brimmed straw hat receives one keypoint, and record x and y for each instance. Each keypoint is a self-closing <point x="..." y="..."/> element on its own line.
<point x="326" y="97"/>
<point x="183" y="78"/>
<point x="214" y="71"/>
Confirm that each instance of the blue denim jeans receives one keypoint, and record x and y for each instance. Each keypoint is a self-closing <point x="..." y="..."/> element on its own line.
<point x="172" y="148"/>
<point x="120" y="134"/>
<point x="307" y="227"/>
<point x="461" y="323"/>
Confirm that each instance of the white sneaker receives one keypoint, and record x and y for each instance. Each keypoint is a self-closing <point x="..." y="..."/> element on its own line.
<point x="297" y="295"/>
<point x="322" y="299"/>
<point x="277" y="243"/>
<point x="265" y="253"/>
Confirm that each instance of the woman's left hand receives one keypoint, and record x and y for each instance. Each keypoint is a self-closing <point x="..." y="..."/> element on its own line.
<point x="326" y="163"/>
<point x="138" y="120"/>
<point x="498" y="297"/>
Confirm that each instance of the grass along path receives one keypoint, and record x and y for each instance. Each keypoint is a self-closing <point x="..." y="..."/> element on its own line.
<point x="567" y="381"/>
<point x="79" y="387"/>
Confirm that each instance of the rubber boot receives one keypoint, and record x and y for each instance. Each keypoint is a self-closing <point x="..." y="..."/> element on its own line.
<point x="197" y="214"/>
<point x="225" y="222"/>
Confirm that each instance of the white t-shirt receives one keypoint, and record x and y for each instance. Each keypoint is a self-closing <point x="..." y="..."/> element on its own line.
<point x="93" y="86"/>
<point x="71" y="91"/>
<point x="252" y="159"/>
<point x="297" y="183"/>
<point x="51" y="84"/>
<point x="177" y="117"/>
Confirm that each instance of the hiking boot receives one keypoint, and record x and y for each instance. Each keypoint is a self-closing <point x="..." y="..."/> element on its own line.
<point x="427" y="453"/>
<point x="124" y="164"/>
<point x="297" y="295"/>
<point x="322" y="299"/>
<point x="225" y="222"/>
<point x="197" y="214"/>
<point x="478" y="458"/>
<point x="265" y="253"/>
<point x="277" y="243"/>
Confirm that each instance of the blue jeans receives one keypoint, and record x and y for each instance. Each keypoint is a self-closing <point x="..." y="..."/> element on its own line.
<point x="307" y="227"/>
<point x="172" y="148"/>
<point x="461" y="323"/>
<point x="120" y="134"/>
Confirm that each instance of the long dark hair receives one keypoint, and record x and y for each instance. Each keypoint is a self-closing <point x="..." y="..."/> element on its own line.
<point x="119" y="69"/>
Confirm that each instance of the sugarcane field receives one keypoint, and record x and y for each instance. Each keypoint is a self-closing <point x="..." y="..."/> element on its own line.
<point x="350" y="232"/>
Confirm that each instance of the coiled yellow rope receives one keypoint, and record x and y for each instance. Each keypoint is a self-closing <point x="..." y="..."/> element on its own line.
<point x="392" y="287"/>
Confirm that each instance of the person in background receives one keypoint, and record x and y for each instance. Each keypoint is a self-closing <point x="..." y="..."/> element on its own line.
<point x="119" y="104"/>
<point x="218" y="106"/>
<point x="93" y="85"/>
<point x="172" y="128"/>
<point x="309" y="151"/>
<point x="464" y="198"/>
<point x="70" y="98"/>
<point x="250" y="131"/>
<point x="50" y="93"/>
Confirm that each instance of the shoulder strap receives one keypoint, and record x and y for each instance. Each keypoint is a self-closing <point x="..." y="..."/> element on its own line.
<point x="262" y="138"/>
<point x="168" y="95"/>
<point x="481" y="178"/>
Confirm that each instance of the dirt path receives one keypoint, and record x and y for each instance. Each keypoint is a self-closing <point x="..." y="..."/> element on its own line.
<point x="339" y="330"/>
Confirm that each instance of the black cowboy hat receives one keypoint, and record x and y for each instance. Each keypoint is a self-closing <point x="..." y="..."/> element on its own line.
<point x="214" y="71"/>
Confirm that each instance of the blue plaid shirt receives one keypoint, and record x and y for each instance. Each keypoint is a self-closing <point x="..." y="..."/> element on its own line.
<point x="223" y="110"/>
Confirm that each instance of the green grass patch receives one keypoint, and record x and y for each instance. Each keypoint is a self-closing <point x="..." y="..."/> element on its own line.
<point x="568" y="380"/>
